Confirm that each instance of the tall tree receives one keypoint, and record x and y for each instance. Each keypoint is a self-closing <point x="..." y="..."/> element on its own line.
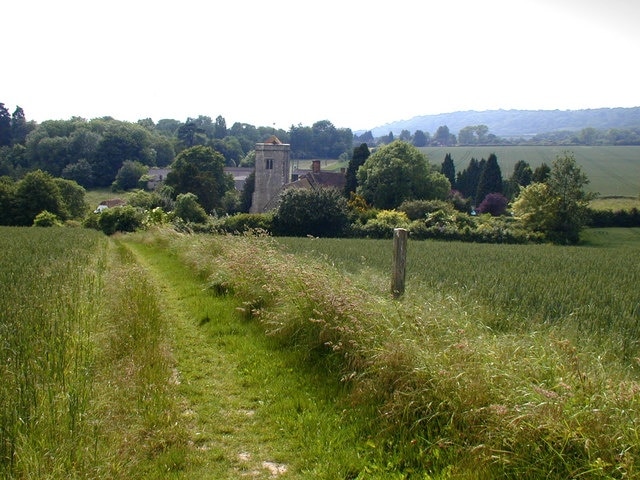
<point x="360" y="155"/>
<point x="443" y="136"/>
<point x="420" y="139"/>
<point x="467" y="180"/>
<point x="490" y="180"/>
<point x="393" y="174"/>
<point x="448" y="169"/>
<point x="200" y="170"/>
<point x="19" y="127"/>
<point x="566" y="182"/>
<point x="5" y="126"/>
<point x="220" y="128"/>
<point x="541" y="173"/>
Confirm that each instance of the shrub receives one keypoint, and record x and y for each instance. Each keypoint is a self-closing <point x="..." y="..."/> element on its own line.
<point x="494" y="204"/>
<point x="243" y="222"/>
<point x="318" y="212"/>
<point x="46" y="219"/>
<point x="119" y="219"/>
<point x="188" y="208"/>
<point x="418" y="209"/>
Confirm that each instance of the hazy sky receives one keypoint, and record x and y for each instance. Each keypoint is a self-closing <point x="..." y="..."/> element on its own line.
<point x="359" y="64"/>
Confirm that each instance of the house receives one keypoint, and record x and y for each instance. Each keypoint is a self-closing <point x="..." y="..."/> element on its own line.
<point x="111" y="203"/>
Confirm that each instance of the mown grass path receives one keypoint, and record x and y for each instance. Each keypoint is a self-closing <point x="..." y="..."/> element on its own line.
<point x="252" y="411"/>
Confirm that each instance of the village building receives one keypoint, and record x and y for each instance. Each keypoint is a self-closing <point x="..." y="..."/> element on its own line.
<point x="273" y="174"/>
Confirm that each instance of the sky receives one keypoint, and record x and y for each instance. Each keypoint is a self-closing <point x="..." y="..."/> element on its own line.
<point x="357" y="63"/>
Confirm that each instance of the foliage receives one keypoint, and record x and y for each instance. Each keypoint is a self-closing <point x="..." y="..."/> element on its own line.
<point x="36" y="192"/>
<point x="614" y="218"/>
<point x="129" y="175"/>
<point x="46" y="219"/>
<point x="536" y="208"/>
<point x="448" y="169"/>
<point x="200" y="170"/>
<point x="360" y="155"/>
<point x="382" y="225"/>
<point x="566" y="183"/>
<point x="188" y="209"/>
<point x="418" y="209"/>
<point x="320" y="212"/>
<point x="467" y="180"/>
<point x="490" y="180"/>
<point x="494" y="204"/>
<point x="321" y="140"/>
<point x="246" y="222"/>
<point x="119" y="219"/>
<point x="395" y="173"/>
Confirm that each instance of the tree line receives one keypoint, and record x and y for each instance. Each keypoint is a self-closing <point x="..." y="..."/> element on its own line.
<point x="91" y="152"/>
<point x="479" y="135"/>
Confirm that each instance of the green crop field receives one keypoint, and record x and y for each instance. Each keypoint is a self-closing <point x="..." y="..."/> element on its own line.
<point x="612" y="170"/>
<point x="500" y="361"/>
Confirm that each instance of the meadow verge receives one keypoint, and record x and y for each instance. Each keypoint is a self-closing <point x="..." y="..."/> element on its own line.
<point x="455" y="397"/>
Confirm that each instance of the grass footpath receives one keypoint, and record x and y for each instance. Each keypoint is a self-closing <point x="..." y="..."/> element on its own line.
<point x="250" y="409"/>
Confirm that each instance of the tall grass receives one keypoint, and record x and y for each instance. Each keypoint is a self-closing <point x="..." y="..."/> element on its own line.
<point x="462" y="385"/>
<point x="49" y="282"/>
<point x="84" y="376"/>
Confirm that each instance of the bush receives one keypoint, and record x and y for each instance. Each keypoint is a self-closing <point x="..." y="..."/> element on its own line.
<point x="319" y="212"/>
<point x="244" y="222"/>
<point x="119" y="219"/>
<point x="46" y="219"/>
<point x="382" y="225"/>
<point x="494" y="204"/>
<point x="188" y="208"/>
<point x="418" y="209"/>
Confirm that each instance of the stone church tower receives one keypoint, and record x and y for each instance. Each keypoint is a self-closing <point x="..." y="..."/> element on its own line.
<point x="273" y="171"/>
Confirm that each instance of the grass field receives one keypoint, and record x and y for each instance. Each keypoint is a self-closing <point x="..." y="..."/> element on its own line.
<point x="140" y="357"/>
<point x="612" y="170"/>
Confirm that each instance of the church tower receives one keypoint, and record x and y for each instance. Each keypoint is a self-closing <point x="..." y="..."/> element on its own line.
<point x="273" y="171"/>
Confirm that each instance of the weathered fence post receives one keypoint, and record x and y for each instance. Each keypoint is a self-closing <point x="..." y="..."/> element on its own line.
<point x="400" y="236"/>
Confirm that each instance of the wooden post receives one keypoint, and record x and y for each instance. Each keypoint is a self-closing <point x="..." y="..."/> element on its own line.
<point x="400" y="236"/>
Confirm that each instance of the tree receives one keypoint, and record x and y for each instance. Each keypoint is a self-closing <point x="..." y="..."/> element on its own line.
<point x="73" y="196"/>
<point x="246" y="195"/>
<point x="444" y="137"/>
<point x="220" y="128"/>
<point x="521" y="177"/>
<point x="200" y="170"/>
<point x="360" y="155"/>
<point x="405" y="136"/>
<point x="536" y="208"/>
<point x="541" y="173"/>
<point x="393" y="174"/>
<point x="5" y="126"/>
<point x="448" y="169"/>
<point x="420" y="139"/>
<point x="79" y="172"/>
<point x="19" y="127"/>
<point x="559" y="207"/>
<point x="36" y="192"/>
<point x="318" y="212"/>
<point x="188" y="208"/>
<point x="490" y="180"/>
<point x="7" y="201"/>
<point x="566" y="182"/>
<point x="494" y="204"/>
<point x="466" y="136"/>
<point x="129" y="175"/>
<point x="467" y="180"/>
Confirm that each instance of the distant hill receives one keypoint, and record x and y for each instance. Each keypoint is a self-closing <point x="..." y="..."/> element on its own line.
<point x="517" y="123"/>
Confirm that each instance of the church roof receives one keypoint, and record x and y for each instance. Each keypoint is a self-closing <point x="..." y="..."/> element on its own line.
<point x="273" y="140"/>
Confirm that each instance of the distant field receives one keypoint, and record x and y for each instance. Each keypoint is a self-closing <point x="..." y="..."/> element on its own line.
<point x="612" y="171"/>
